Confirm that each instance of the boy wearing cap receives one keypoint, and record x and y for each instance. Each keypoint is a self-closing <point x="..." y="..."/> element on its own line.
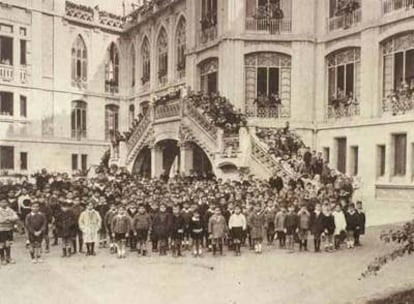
<point x="66" y="225"/>
<point x="141" y="224"/>
<point x="121" y="227"/>
<point x="8" y="218"/>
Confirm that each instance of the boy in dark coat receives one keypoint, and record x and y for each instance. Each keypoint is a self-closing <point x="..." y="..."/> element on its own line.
<point x="328" y="221"/>
<point x="66" y="225"/>
<point x="317" y="226"/>
<point x="161" y="226"/>
<point x="107" y="224"/>
<point x="291" y="227"/>
<point x="8" y="218"/>
<point x="196" y="228"/>
<point x="177" y="231"/>
<point x="352" y="225"/>
<point x="362" y="220"/>
<point x="121" y="226"/>
<point x="187" y="214"/>
<point x="36" y="223"/>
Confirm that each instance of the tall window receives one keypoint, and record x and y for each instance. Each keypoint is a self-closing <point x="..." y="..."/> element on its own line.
<point x="6" y="50"/>
<point x="267" y="84"/>
<point x="23" y="106"/>
<point x="398" y="73"/>
<point x="133" y="66"/>
<point x="75" y="162"/>
<point x="6" y="104"/>
<point x="162" y="49"/>
<point x="344" y="76"/>
<point x="6" y="157"/>
<point x="23" y="52"/>
<point x="380" y="160"/>
<point x="84" y="162"/>
<point x="78" y="119"/>
<point x="23" y="160"/>
<point x="181" y="47"/>
<point x="111" y="120"/>
<point x="209" y="76"/>
<point x="341" y="154"/>
<point x="112" y="70"/>
<point x="146" y="61"/>
<point x="400" y="154"/>
<point x="208" y="13"/>
<point x="79" y="62"/>
<point x="131" y="114"/>
<point x="354" y="160"/>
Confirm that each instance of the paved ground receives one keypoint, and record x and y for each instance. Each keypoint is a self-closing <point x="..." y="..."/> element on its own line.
<point x="273" y="277"/>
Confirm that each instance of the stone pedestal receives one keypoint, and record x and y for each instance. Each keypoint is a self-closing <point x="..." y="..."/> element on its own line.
<point x="186" y="158"/>
<point x="156" y="162"/>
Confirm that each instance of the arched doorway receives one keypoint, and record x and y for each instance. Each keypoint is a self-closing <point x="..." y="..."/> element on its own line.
<point x="170" y="156"/>
<point x="142" y="165"/>
<point x="201" y="162"/>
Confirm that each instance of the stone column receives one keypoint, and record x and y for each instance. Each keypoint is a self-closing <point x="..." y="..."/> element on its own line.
<point x="156" y="161"/>
<point x="186" y="158"/>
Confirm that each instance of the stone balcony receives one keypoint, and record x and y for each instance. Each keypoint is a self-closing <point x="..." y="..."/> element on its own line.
<point x="398" y="103"/>
<point x="392" y="6"/>
<point x="345" y="21"/>
<point x="9" y="73"/>
<point x="268" y="25"/>
<point x="343" y="111"/>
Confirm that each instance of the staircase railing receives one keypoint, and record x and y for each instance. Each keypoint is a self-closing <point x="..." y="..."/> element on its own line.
<point x="193" y="113"/>
<point x="262" y="154"/>
<point x="139" y="131"/>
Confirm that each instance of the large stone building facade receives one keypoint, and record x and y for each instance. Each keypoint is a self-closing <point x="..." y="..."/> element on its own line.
<point x="71" y="76"/>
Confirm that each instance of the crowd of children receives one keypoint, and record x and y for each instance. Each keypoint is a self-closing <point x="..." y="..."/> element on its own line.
<point x="123" y="211"/>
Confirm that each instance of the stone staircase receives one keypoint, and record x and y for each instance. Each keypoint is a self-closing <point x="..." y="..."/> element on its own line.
<point x="183" y="121"/>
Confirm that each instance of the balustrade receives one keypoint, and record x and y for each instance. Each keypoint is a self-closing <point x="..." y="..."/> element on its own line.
<point x="208" y="34"/>
<point x="6" y="72"/>
<point x="389" y="6"/>
<point x="345" y="20"/>
<point x="274" y="26"/>
<point x="201" y="119"/>
<point x="170" y="109"/>
<point x="139" y="131"/>
<point x="341" y="111"/>
<point x="398" y="103"/>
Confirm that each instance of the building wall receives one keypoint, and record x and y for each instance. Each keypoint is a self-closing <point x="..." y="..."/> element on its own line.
<point x="50" y="93"/>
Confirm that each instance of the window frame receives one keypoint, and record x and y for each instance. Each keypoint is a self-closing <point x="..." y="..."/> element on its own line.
<point x="4" y="163"/>
<point x="79" y="119"/>
<point x="79" y="55"/>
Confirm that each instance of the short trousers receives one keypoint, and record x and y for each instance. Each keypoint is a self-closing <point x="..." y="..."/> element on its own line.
<point x="6" y="236"/>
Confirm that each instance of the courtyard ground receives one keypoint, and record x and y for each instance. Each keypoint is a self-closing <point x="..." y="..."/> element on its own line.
<point x="273" y="277"/>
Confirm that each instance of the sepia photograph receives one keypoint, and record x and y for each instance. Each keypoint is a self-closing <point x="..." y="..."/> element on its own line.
<point x="207" y="151"/>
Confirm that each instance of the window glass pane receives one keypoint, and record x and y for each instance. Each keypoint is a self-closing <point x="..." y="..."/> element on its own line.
<point x="23" y="52"/>
<point x="349" y="79"/>
<point x="332" y="90"/>
<point x="400" y="154"/>
<point x="74" y="162"/>
<point x="6" y="157"/>
<point x="23" y="160"/>
<point x="409" y="68"/>
<point x="6" y="104"/>
<point x="398" y="69"/>
<point x="261" y="81"/>
<point x="84" y="162"/>
<point x="340" y="80"/>
<point x="212" y="82"/>
<point x="273" y="81"/>
<point x="23" y="106"/>
<point x="6" y="50"/>
<point x="341" y="157"/>
<point x="381" y="160"/>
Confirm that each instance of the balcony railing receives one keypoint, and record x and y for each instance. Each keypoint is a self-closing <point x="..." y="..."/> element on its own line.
<point x="231" y="146"/>
<point x="171" y="109"/>
<point x="345" y="20"/>
<point x="6" y="72"/>
<point x="398" y="103"/>
<point x="111" y="87"/>
<point x="389" y="6"/>
<point x="273" y="26"/>
<point x="201" y="119"/>
<point x="23" y="75"/>
<point x="208" y="34"/>
<point x="139" y="130"/>
<point x="343" y="111"/>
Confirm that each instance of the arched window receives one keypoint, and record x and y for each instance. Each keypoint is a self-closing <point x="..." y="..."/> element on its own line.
<point x="398" y="73"/>
<point x="146" y="61"/>
<point x="162" y="52"/>
<point x="111" y="120"/>
<point x="209" y="75"/>
<point x="78" y="119"/>
<point x="181" y="47"/>
<point x="79" y="63"/>
<point x="112" y="70"/>
<point x="131" y="114"/>
<point x="133" y="66"/>
<point x="344" y="69"/>
<point x="267" y="84"/>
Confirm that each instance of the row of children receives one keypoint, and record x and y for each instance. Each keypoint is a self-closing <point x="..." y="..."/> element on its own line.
<point x="211" y="228"/>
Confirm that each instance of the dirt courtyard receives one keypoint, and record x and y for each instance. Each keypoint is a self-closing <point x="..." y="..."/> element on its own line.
<point x="273" y="277"/>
